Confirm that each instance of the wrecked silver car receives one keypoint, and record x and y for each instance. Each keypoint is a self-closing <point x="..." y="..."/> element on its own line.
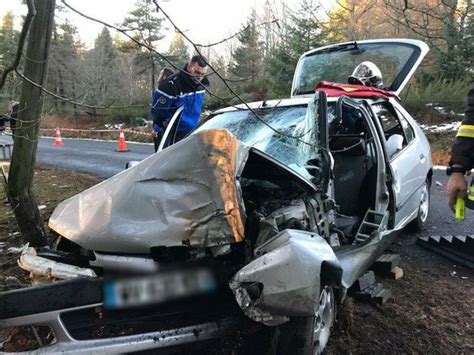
<point x="267" y="213"/>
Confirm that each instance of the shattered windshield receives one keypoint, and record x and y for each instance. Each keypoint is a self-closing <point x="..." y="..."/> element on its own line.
<point x="290" y="140"/>
<point x="337" y="64"/>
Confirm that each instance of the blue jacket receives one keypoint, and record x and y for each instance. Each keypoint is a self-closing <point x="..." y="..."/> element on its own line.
<point x="176" y="91"/>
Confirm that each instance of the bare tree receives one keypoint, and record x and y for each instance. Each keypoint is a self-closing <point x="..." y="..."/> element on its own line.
<point x="447" y="26"/>
<point x="353" y="20"/>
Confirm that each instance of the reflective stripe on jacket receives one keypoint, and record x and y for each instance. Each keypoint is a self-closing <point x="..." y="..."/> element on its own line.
<point x="466" y="130"/>
<point x="462" y="151"/>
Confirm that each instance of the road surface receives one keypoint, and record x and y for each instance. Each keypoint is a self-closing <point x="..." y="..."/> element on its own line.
<point x="90" y="156"/>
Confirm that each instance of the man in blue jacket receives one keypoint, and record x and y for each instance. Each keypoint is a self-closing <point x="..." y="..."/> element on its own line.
<point x="186" y="88"/>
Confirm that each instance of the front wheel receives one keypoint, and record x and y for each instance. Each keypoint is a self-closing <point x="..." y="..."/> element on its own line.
<point x="309" y="335"/>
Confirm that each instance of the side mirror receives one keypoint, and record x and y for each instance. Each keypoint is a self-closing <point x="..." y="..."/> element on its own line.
<point x="131" y="164"/>
<point x="394" y="144"/>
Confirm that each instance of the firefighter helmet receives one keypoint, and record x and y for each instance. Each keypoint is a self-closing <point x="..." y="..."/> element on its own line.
<point x="366" y="73"/>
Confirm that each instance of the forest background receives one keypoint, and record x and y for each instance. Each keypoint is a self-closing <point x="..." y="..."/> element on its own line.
<point x="257" y="62"/>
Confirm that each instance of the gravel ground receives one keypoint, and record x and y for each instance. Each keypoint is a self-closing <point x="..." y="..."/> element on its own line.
<point x="432" y="311"/>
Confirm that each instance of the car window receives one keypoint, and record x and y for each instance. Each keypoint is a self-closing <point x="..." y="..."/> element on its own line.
<point x="407" y="128"/>
<point x="350" y="123"/>
<point x="390" y="122"/>
<point x="292" y="121"/>
<point x="338" y="63"/>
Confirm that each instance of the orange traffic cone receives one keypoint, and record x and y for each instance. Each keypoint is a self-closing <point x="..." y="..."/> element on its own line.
<point x="58" y="141"/>
<point x="122" y="146"/>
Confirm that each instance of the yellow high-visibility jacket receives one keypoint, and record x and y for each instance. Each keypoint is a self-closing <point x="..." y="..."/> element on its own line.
<point x="462" y="150"/>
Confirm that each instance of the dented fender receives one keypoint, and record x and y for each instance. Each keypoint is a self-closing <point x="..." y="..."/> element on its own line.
<point x="285" y="277"/>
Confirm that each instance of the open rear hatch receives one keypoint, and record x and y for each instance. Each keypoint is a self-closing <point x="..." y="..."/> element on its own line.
<point x="396" y="58"/>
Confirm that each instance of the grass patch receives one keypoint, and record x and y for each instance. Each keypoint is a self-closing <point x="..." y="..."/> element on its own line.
<point x="449" y="94"/>
<point x="440" y="143"/>
<point x="50" y="186"/>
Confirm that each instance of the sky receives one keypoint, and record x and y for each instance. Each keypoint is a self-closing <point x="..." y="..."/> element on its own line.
<point x="205" y="21"/>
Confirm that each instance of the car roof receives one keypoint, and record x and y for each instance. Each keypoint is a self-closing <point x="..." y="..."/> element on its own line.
<point x="267" y="104"/>
<point x="296" y="101"/>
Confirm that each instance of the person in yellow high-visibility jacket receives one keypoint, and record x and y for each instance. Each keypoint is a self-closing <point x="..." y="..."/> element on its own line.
<point x="462" y="154"/>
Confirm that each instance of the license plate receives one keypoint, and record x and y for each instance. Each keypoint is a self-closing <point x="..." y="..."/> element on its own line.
<point x="157" y="288"/>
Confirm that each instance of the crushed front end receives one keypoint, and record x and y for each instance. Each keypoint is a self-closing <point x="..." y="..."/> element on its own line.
<point x="260" y="233"/>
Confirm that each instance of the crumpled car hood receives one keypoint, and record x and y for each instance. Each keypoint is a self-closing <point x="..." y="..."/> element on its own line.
<point x="185" y="195"/>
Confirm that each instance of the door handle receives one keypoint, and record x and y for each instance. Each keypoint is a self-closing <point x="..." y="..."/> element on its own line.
<point x="422" y="158"/>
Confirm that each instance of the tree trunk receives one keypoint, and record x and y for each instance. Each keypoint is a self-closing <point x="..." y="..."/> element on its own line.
<point x="20" y="179"/>
<point x="76" y="113"/>
<point x="61" y="92"/>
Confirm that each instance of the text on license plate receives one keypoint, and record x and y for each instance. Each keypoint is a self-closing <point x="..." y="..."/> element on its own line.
<point x="157" y="288"/>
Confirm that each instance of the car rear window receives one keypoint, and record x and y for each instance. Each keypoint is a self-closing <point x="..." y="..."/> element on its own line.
<point x="337" y="66"/>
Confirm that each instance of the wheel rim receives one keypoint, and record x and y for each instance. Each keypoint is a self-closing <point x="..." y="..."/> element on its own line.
<point x="424" y="204"/>
<point x="323" y="320"/>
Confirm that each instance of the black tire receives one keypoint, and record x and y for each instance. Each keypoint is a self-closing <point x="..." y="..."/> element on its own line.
<point x="419" y="223"/>
<point x="298" y="336"/>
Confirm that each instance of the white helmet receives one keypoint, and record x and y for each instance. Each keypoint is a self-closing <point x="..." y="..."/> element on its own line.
<point x="366" y="73"/>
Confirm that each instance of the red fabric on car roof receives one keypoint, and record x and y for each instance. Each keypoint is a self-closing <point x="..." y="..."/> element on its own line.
<point x="335" y="89"/>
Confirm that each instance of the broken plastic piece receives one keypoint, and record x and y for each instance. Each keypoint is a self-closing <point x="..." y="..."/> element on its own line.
<point x="15" y="250"/>
<point x="37" y="265"/>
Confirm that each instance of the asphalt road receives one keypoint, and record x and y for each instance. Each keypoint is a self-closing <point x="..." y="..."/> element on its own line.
<point x="100" y="158"/>
<point x="90" y="156"/>
<point x="441" y="220"/>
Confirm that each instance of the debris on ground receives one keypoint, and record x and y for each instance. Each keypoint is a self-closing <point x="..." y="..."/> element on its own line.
<point x="385" y="264"/>
<point x="397" y="273"/>
<point x="423" y="317"/>
<point x="12" y="281"/>
<point x="367" y="289"/>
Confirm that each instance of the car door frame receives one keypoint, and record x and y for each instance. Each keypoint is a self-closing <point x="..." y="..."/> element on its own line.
<point x="382" y="193"/>
<point x="422" y="165"/>
<point x="405" y="198"/>
<point x="171" y="127"/>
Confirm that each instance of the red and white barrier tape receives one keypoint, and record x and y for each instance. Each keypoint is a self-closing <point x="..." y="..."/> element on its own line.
<point x="98" y="130"/>
<point x="439" y="183"/>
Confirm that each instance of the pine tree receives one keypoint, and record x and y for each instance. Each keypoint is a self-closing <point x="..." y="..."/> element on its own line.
<point x="178" y="51"/>
<point x="303" y="32"/>
<point x="147" y="27"/>
<point x="8" y="46"/>
<point x="218" y="88"/>
<point x="8" y="40"/>
<point x="247" y="58"/>
<point x="65" y="63"/>
<point x="103" y="84"/>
